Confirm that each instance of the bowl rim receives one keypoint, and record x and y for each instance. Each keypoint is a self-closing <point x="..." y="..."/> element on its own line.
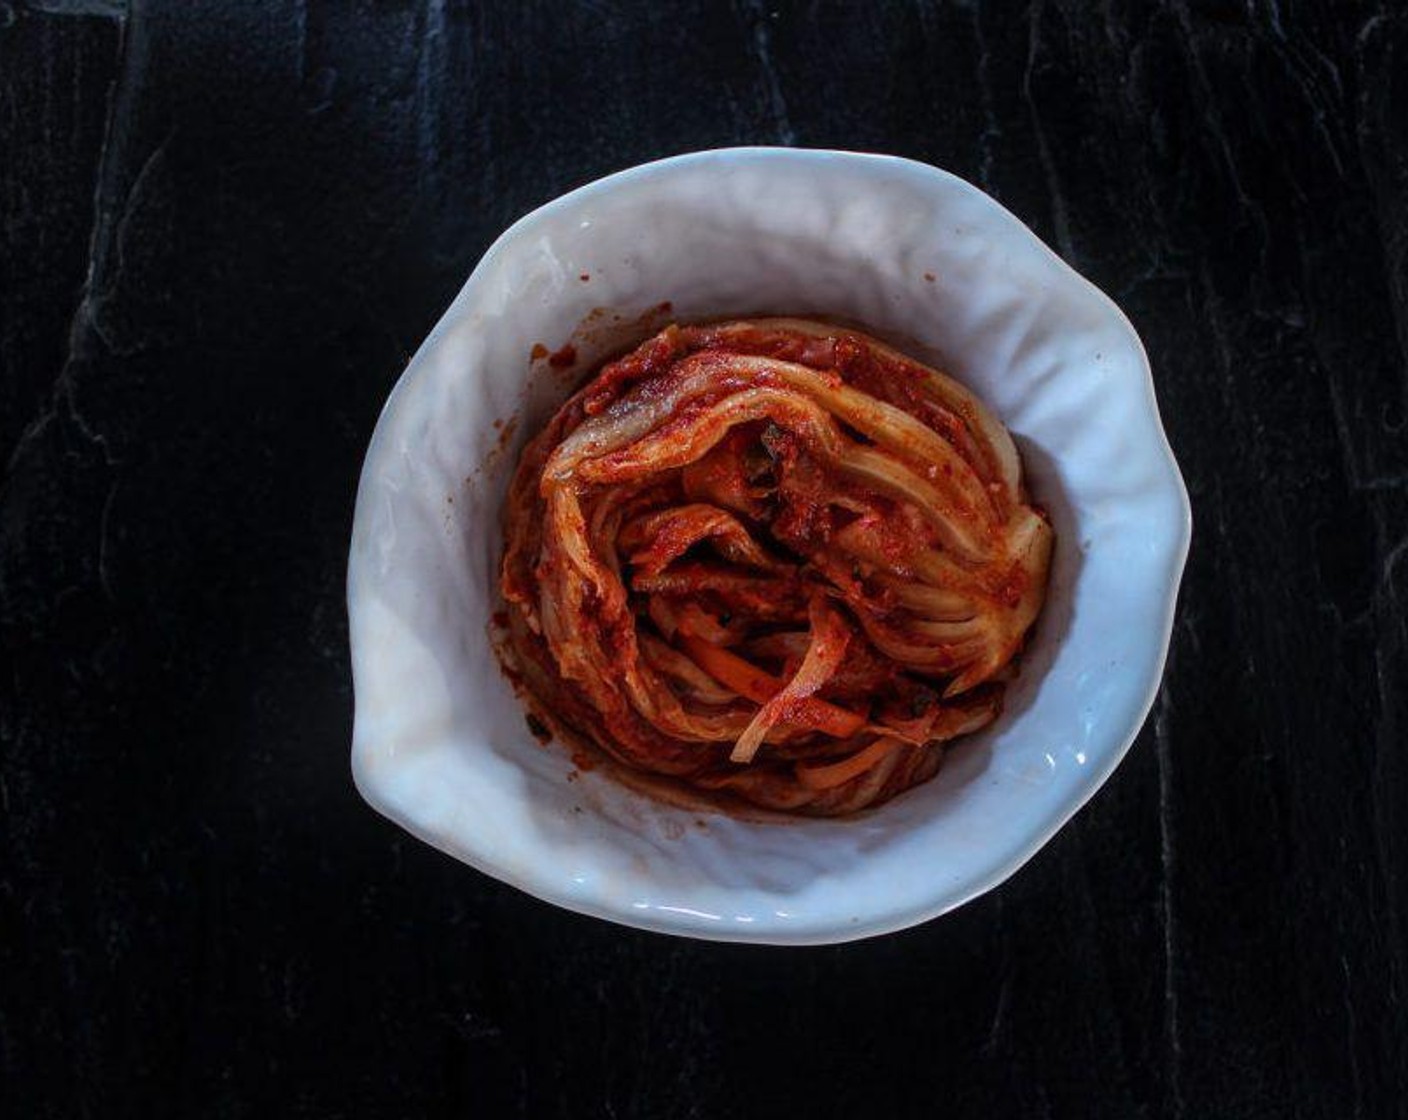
<point x="824" y="929"/>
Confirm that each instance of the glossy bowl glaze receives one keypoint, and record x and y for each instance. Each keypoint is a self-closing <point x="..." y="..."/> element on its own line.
<point x="913" y="254"/>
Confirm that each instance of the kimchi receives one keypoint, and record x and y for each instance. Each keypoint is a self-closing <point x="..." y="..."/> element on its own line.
<point x="776" y="561"/>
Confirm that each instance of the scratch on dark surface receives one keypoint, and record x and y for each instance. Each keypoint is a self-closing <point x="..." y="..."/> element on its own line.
<point x="1375" y="464"/>
<point x="65" y="387"/>
<point x="1210" y="307"/>
<point x="1356" y="1078"/>
<point x="999" y="1013"/>
<point x="32" y="431"/>
<point x="1383" y="482"/>
<point x="121" y="98"/>
<point x="428" y="66"/>
<point x="129" y="206"/>
<point x="1059" y="217"/>
<point x="103" y="528"/>
<point x="1302" y="57"/>
<point x="1168" y="914"/>
<point x="991" y="128"/>
<point x="1004" y="988"/>
<point x="106" y="9"/>
<point x="760" y="46"/>
<point x="1211" y="103"/>
<point x="300" y="44"/>
<point x="1345" y="437"/>
<point x="1390" y="653"/>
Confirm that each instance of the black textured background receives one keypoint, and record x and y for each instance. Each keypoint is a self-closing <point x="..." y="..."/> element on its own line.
<point x="224" y="225"/>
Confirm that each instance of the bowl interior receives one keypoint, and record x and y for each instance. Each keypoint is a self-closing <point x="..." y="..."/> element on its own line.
<point x="915" y="255"/>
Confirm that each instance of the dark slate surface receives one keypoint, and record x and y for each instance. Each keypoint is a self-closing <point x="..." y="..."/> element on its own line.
<point x="223" y="228"/>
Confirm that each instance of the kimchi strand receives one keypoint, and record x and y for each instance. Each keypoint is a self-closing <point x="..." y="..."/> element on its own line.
<point x="832" y="774"/>
<point x="754" y="684"/>
<point x="771" y="560"/>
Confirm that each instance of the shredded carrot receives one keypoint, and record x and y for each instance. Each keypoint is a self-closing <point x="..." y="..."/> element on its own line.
<point x="835" y="774"/>
<point x="727" y="668"/>
<point x="753" y="683"/>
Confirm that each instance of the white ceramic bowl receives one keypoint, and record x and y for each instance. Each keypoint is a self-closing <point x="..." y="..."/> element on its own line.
<point x="440" y="743"/>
